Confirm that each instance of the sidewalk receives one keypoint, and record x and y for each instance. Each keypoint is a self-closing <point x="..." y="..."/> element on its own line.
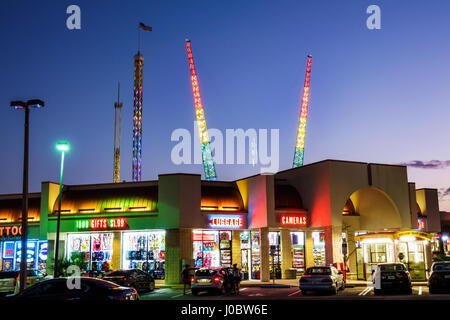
<point x="280" y="283"/>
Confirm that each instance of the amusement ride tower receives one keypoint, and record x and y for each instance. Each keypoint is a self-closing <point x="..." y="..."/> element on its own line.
<point x="301" y="132"/>
<point x="207" y="159"/>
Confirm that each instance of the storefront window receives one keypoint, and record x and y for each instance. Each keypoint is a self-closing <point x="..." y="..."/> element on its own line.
<point x="212" y="248"/>
<point x="97" y="249"/>
<point x="275" y="253"/>
<point x="145" y="250"/>
<point x="255" y="253"/>
<point x="318" y="248"/>
<point x="36" y="255"/>
<point x="245" y="253"/>
<point x="298" y="251"/>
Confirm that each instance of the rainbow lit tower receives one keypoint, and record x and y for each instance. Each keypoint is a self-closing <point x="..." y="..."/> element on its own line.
<point x="137" y="109"/>
<point x="208" y="162"/>
<point x="300" y="143"/>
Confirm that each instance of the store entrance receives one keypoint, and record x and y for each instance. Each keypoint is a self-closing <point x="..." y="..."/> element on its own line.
<point x="413" y="256"/>
<point x="274" y="254"/>
<point x="298" y="251"/>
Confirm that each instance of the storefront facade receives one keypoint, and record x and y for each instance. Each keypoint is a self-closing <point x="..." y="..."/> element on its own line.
<point x="11" y="232"/>
<point x="350" y="214"/>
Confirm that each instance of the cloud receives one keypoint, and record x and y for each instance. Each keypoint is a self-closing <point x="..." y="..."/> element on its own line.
<point x="432" y="164"/>
<point x="443" y="192"/>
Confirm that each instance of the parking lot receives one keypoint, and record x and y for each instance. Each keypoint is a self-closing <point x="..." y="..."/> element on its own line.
<point x="274" y="293"/>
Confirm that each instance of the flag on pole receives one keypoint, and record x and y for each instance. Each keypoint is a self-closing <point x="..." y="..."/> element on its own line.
<point x="144" y="27"/>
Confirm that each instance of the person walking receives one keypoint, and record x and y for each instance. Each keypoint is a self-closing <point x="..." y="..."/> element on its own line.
<point x="186" y="278"/>
<point x="236" y="278"/>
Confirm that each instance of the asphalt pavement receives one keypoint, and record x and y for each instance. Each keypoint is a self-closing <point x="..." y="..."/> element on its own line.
<point x="288" y="293"/>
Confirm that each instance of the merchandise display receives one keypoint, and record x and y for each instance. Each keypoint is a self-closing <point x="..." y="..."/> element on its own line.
<point x="318" y="248"/>
<point x="275" y="253"/>
<point x="11" y="253"/>
<point x="145" y="250"/>
<point x="97" y="247"/>
<point x="298" y="251"/>
<point x="255" y="255"/>
<point x="212" y="248"/>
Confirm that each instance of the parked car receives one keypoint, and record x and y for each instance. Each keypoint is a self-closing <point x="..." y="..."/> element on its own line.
<point x="90" y="289"/>
<point x="321" y="278"/>
<point x="391" y="277"/>
<point x="136" y="278"/>
<point x="9" y="280"/>
<point x="209" y="280"/>
<point x="440" y="277"/>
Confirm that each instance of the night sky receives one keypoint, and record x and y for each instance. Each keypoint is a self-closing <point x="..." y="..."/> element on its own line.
<point x="376" y="95"/>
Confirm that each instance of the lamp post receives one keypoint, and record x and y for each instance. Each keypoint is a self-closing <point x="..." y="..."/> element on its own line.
<point x="20" y="105"/>
<point x="61" y="146"/>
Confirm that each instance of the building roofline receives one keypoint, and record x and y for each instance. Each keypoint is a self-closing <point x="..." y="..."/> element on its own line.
<point x="14" y="196"/>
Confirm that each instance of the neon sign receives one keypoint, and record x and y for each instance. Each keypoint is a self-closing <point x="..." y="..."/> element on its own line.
<point x="293" y="220"/>
<point x="228" y="222"/>
<point x="420" y="224"/>
<point x="10" y="231"/>
<point x="101" y="223"/>
<point x="203" y="237"/>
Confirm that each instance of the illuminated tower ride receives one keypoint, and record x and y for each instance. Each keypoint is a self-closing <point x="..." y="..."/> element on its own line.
<point x="208" y="162"/>
<point x="117" y="136"/>
<point x="137" y="117"/>
<point x="137" y="109"/>
<point x="300" y="142"/>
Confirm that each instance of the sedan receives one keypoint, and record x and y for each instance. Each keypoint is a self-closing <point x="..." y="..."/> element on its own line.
<point x="440" y="277"/>
<point x="209" y="280"/>
<point x="88" y="289"/>
<point x="138" y="279"/>
<point x="391" y="277"/>
<point x="321" y="278"/>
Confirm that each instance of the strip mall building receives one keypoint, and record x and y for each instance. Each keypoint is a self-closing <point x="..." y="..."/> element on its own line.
<point x="327" y="212"/>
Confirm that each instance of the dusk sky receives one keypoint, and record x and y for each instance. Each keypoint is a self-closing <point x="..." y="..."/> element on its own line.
<point x="376" y="95"/>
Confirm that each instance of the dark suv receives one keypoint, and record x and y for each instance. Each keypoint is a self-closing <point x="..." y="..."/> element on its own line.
<point x="440" y="277"/>
<point x="392" y="277"/>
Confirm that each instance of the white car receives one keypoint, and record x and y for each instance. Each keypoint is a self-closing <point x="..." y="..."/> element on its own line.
<point x="322" y="278"/>
<point x="9" y="280"/>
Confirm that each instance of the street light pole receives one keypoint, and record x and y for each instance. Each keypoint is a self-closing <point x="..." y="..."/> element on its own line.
<point x="35" y="103"/>
<point x="24" y="236"/>
<point x="62" y="146"/>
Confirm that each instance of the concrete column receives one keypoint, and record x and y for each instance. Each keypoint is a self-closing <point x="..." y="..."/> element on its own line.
<point x="117" y="252"/>
<point x="351" y="253"/>
<point x="286" y="252"/>
<point x="236" y="248"/>
<point x="178" y="250"/>
<point x="264" y="252"/>
<point x="309" y="245"/>
<point x="333" y="244"/>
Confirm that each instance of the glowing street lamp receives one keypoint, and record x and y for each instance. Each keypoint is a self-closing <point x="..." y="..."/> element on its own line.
<point x="21" y="105"/>
<point x="63" y="147"/>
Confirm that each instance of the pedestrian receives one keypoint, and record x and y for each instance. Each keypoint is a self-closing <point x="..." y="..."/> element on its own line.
<point x="186" y="277"/>
<point x="236" y="278"/>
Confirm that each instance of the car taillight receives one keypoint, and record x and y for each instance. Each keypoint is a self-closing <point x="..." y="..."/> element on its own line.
<point x="15" y="280"/>
<point x="216" y="279"/>
<point x="192" y="279"/>
<point x="403" y="275"/>
<point x="326" y="280"/>
<point x="435" y="276"/>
